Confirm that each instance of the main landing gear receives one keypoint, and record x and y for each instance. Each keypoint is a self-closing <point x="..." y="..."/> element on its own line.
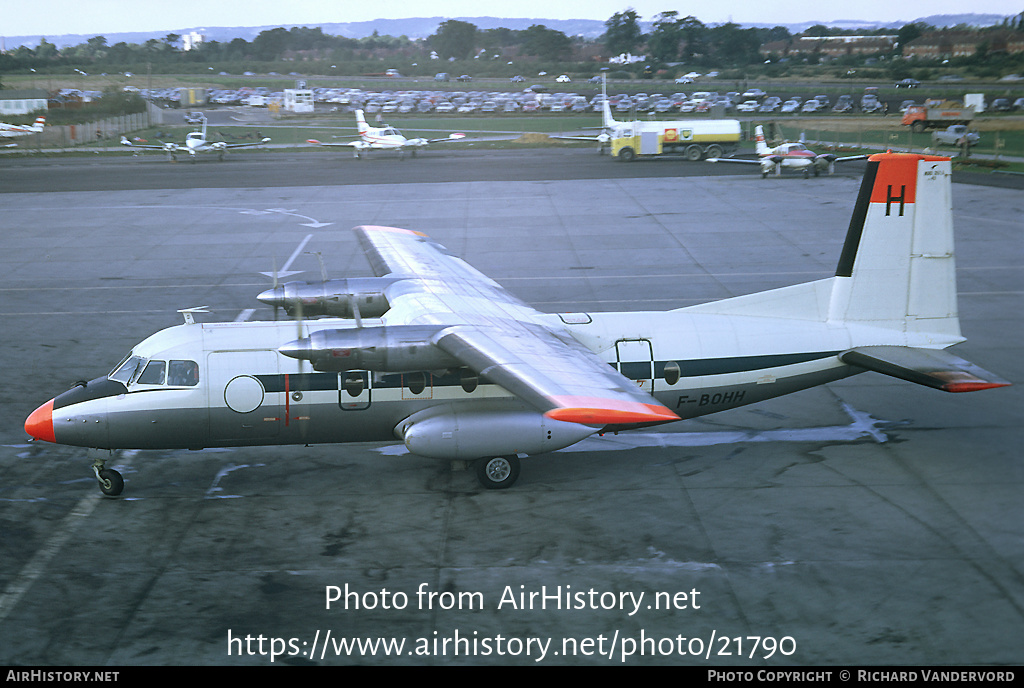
<point x="497" y="472"/>
<point x="111" y="482"/>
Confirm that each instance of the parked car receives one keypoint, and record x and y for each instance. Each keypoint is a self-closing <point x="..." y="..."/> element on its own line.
<point x="843" y="104"/>
<point x="952" y="136"/>
<point x="464" y="77"/>
<point x="908" y="83"/>
<point x="563" y="79"/>
<point x="1001" y="105"/>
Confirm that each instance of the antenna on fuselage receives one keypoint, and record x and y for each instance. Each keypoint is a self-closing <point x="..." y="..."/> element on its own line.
<point x="188" y="313"/>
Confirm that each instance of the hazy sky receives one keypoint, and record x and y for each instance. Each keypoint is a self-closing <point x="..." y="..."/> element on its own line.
<point x="99" y="17"/>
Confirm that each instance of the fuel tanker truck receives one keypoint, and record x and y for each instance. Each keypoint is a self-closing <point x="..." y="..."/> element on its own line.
<point x="693" y="139"/>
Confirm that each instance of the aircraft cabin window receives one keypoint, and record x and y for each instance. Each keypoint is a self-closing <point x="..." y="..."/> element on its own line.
<point x="354" y="384"/>
<point x="469" y="380"/>
<point x="417" y="382"/>
<point x="153" y="374"/>
<point x="183" y="373"/>
<point x="672" y="372"/>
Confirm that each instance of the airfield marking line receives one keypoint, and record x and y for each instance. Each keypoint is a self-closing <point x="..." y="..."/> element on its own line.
<point x="36" y="566"/>
<point x="295" y="255"/>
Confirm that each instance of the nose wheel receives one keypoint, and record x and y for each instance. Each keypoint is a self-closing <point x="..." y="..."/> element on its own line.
<point x="111" y="482"/>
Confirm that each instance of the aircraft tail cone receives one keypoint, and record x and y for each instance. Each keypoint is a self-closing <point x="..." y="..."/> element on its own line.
<point x="40" y="423"/>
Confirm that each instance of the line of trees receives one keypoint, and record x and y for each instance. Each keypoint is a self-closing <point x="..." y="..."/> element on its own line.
<point x="673" y="38"/>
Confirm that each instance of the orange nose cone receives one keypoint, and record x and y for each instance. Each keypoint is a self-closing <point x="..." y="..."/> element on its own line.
<point x="40" y="423"/>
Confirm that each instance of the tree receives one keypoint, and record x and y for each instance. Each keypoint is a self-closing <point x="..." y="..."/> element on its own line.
<point x="454" y="38"/>
<point x="663" y="43"/>
<point x="548" y="44"/>
<point x="622" y="32"/>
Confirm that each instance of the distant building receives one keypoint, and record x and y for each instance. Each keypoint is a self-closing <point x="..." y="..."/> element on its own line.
<point x="832" y="46"/>
<point x="947" y="44"/>
<point x="22" y="102"/>
<point x="192" y="40"/>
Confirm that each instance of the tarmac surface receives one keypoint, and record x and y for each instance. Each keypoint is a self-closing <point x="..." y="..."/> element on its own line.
<point x="867" y="522"/>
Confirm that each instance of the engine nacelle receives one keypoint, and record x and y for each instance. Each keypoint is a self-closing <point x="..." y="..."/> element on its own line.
<point x="454" y="433"/>
<point x="338" y="297"/>
<point x="387" y="349"/>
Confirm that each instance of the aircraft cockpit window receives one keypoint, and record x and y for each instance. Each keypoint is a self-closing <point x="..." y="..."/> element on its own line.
<point x="127" y="369"/>
<point x="391" y="131"/>
<point x="183" y="373"/>
<point x="153" y="374"/>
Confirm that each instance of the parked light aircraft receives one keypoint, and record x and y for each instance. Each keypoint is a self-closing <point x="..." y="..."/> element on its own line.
<point x="195" y="143"/>
<point x="8" y="131"/>
<point x="384" y="138"/>
<point x="791" y="156"/>
<point x="439" y="356"/>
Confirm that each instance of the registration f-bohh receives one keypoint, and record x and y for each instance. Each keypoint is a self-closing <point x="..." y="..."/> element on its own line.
<point x="439" y="356"/>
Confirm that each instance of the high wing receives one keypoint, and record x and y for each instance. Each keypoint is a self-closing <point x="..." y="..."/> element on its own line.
<point x="499" y="337"/>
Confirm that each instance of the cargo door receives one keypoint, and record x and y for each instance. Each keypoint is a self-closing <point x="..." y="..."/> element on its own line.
<point x="635" y="360"/>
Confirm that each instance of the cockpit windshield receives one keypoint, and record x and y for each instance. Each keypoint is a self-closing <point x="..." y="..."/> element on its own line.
<point x="138" y="370"/>
<point x="127" y="369"/>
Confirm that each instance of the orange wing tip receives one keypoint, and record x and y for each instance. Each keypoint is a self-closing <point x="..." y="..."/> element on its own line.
<point x="972" y="386"/>
<point x="40" y="423"/>
<point x="627" y="414"/>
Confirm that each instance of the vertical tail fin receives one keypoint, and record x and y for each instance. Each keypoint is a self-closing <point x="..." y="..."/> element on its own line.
<point x="897" y="267"/>
<point x="607" y="121"/>
<point x="762" y="147"/>
<point x="361" y="126"/>
<point x="40" y="122"/>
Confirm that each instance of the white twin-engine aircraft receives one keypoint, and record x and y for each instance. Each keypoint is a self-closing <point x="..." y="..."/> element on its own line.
<point x="195" y="143"/>
<point x="384" y="138"/>
<point x="790" y="155"/>
<point x="439" y="356"/>
<point x="9" y="131"/>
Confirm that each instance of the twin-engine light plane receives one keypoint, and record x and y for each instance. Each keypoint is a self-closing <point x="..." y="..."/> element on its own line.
<point x="437" y="355"/>
<point x="790" y="155"/>
<point x="195" y="143"/>
<point x="384" y="138"/>
<point x="9" y="131"/>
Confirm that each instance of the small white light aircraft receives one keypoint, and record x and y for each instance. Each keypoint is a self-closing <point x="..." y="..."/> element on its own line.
<point x="8" y="131"/>
<point x="439" y="356"/>
<point x="791" y="156"/>
<point x="195" y="143"/>
<point x="384" y="138"/>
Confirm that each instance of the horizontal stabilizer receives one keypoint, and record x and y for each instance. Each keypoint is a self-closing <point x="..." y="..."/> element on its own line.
<point x="929" y="367"/>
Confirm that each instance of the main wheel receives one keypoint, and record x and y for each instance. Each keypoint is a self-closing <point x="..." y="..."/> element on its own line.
<point x="111" y="482"/>
<point x="497" y="473"/>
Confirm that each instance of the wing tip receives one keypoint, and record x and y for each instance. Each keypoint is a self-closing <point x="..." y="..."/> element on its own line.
<point x="624" y="414"/>
<point x="396" y="230"/>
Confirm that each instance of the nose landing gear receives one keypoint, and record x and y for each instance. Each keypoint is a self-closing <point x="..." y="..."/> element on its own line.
<point x="111" y="482"/>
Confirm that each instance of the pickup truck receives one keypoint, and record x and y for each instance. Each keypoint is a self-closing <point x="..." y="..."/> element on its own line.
<point x="951" y="136"/>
